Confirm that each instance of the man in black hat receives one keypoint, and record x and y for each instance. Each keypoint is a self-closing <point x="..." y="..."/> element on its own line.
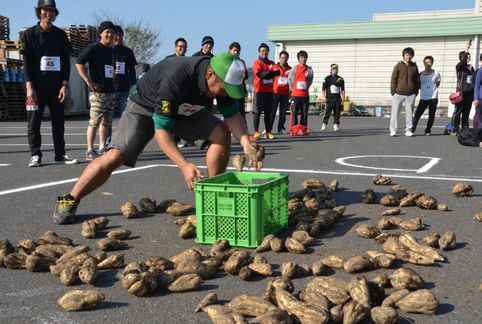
<point x="125" y="72"/>
<point x="100" y="80"/>
<point x="45" y="50"/>
<point x="207" y="46"/>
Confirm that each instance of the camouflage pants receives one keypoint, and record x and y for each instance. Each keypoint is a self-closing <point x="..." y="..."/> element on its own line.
<point x="101" y="108"/>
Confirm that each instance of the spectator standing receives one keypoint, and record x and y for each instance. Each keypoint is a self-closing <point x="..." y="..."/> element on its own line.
<point x="300" y="79"/>
<point x="465" y="83"/>
<point x="207" y="45"/>
<point x="281" y="91"/>
<point x="404" y="86"/>
<point x="235" y="49"/>
<point x="180" y="48"/>
<point x="125" y="73"/>
<point x="100" y="79"/>
<point x="429" y="83"/>
<point x="478" y="96"/>
<point x="334" y="96"/>
<point x="46" y="57"/>
<point x="264" y="72"/>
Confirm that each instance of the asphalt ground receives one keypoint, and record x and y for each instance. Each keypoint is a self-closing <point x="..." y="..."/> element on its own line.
<point x="432" y="164"/>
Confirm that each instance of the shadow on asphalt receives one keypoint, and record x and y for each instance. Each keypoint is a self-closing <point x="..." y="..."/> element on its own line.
<point x="108" y="305"/>
<point x="107" y="278"/>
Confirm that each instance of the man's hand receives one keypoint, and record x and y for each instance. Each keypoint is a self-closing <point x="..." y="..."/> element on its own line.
<point x="256" y="155"/>
<point x="476" y="103"/>
<point x="191" y="174"/>
<point x="94" y="86"/>
<point x="31" y="94"/>
<point x="257" y="166"/>
<point x="63" y="93"/>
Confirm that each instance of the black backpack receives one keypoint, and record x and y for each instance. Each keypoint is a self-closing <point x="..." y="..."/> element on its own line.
<point x="470" y="136"/>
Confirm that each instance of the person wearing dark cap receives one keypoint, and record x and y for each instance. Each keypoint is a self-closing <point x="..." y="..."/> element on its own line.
<point x="334" y="96"/>
<point x="170" y="99"/>
<point x="264" y="71"/>
<point x="125" y="73"/>
<point x="404" y="87"/>
<point x="46" y="57"/>
<point x="180" y="48"/>
<point x="207" y="46"/>
<point x="101" y="59"/>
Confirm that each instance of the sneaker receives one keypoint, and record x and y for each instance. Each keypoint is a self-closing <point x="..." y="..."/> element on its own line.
<point x="409" y="134"/>
<point x="181" y="144"/>
<point x="323" y="127"/>
<point x="65" y="208"/>
<point x="91" y="155"/>
<point x="268" y="135"/>
<point x="101" y="151"/>
<point x="428" y="134"/>
<point x="66" y="160"/>
<point x="393" y="134"/>
<point x="282" y="131"/>
<point x="35" y="161"/>
<point x="336" y="127"/>
<point x="264" y="132"/>
<point x="256" y="135"/>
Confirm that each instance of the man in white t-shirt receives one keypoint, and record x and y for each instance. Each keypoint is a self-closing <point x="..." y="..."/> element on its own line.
<point x="429" y="83"/>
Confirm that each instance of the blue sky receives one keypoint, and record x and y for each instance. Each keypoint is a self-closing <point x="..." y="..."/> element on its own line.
<point x="244" y="21"/>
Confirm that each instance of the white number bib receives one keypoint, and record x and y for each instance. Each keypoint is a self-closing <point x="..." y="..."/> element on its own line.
<point x="334" y="89"/>
<point x="283" y="80"/>
<point x="186" y="109"/>
<point x="120" y="67"/>
<point x="267" y="81"/>
<point x="109" y="71"/>
<point x="469" y="79"/>
<point x="301" y="85"/>
<point x="50" y="63"/>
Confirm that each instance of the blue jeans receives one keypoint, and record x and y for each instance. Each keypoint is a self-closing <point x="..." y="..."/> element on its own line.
<point x="121" y="102"/>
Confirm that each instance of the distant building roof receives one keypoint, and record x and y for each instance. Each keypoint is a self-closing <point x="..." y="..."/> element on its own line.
<point x="377" y="29"/>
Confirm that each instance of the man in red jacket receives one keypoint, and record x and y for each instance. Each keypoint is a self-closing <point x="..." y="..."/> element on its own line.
<point x="281" y="91"/>
<point x="300" y="80"/>
<point x="264" y="72"/>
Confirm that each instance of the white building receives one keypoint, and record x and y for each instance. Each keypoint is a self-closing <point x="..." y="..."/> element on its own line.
<point x="367" y="51"/>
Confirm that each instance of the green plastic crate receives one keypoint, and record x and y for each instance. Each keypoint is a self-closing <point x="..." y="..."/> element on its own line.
<point x="241" y="207"/>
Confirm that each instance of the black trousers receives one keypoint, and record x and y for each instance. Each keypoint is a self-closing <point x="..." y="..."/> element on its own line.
<point x="47" y="96"/>
<point x="333" y="104"/>
<point x="301" y="105"/>
<point x="462" y="110"/>
<point x="263" y="104"/>
<point x="281" y="101"/>
<point x="422" y="105"/>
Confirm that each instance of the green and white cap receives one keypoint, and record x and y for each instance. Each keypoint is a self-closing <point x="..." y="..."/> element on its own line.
<point x="231" y="70"/>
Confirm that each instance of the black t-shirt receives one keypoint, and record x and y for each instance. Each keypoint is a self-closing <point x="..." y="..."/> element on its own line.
<point x="101" y="61"/>
<point x="46" y="56"/>
<point x="334" y="85"/>
<point x="125" y="75"/>
<point x="176" y="87"/>
<point x="201" y="53"/>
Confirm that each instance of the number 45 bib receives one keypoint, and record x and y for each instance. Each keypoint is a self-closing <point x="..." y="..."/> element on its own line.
<point x="50" y="63"/>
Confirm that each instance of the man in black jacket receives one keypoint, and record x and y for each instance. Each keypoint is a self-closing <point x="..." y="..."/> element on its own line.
<point x="45" y="50"/>
<point x="207" y="46"/>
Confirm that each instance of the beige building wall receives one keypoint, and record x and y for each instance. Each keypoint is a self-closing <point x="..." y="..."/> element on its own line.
<point x="367" y="64"/>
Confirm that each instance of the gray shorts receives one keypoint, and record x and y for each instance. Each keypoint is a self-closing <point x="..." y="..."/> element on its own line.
<point x="136" y="129"/>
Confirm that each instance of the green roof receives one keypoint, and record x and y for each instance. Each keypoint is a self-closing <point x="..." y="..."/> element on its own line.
<point x="377" y="29"/>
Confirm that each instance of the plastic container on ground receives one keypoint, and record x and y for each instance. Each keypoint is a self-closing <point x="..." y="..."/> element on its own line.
<point x="241" y="207"/>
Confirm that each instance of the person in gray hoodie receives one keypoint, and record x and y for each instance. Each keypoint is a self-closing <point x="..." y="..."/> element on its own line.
<point x="404" y="87"/>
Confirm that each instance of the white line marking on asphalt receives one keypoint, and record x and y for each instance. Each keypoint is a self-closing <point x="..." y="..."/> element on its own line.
<point x="55" y="183"/>
<point x="4" y="164"/>
<point x="401" y="176"/>
<point x="25" y="135"/>
<point x="66" y="144"/>
<point x="433" y="161"/>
